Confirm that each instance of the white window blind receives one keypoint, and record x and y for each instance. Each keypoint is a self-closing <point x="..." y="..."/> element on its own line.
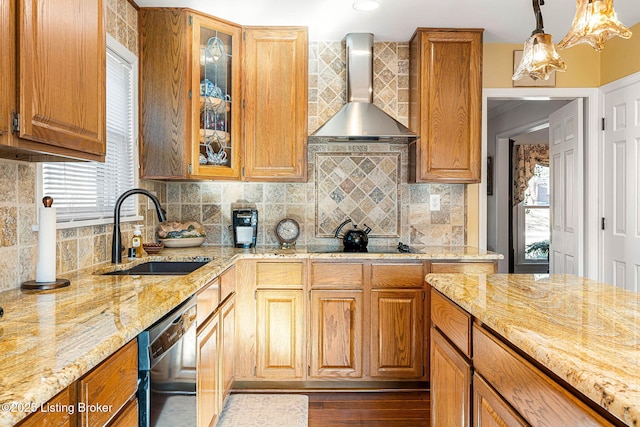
<point x="87" y="191"/>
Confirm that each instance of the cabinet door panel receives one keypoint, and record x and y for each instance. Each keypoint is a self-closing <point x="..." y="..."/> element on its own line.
<point x="336" y="333"/>
<point x="208" y="380"/>
<point x="275" y="117"/>
<point x="396" y="333"/>
<point x="112" y="383"/>
<point x="450" y="384"/>
<point x="280" y="323"/>
<point x="489" y="409"/>
<point x="446" y="93"/>
<point x="52" y="415"/>
<point x="62" y="95"/>
<point x="227" y="316"/>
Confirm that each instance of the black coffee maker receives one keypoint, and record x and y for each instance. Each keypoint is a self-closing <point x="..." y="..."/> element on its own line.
<point x="245" y="227"/>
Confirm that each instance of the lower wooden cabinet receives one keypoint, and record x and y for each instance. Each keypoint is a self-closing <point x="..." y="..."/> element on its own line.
<point x="208" y="372"/>
<point x="336" y="333"/>
<point x="280" y="333"/>
<point x="110" y="385"/>
<point x="490" y="409"/>
<point x="397" y="333"/>
<point x="450" y="384"/>
<point x="227" y="346"/>
<point x="46" y="416"/>
<point x="507" y="388"/>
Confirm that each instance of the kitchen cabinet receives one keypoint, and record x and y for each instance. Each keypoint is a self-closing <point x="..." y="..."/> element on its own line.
<point x="450" y="384"/>
<point x="464" y="267"/>
<point x="208" y="372"/>
<point x="397" y="319"/>
<point x="337" y="320"/>
<point x="275" y="113"/>
<point x="190" y="95"/>
<point x="197" y="122"/>
<point x="280" y="333"/>
<point x="215" y="337"/>
<point x="111" y="386"/>
<point x="507" y="388"/>
<point x="46" y="416"/>
<point x="336" y="333"/>
<point x="59" y="100"/>
<point x="445" y="94"/>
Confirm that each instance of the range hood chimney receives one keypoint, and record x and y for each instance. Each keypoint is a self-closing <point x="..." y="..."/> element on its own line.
<point x="359" y="119"/>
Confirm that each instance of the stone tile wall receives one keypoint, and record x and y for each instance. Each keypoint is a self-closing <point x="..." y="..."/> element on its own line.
<point x="79" y="247"/>
<point x="408" y="216"/>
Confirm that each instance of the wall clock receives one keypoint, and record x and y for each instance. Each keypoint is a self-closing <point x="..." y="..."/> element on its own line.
<point x="287" y="232"/>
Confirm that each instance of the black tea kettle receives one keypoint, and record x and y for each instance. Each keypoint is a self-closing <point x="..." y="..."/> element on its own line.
<point x="353" y="240"/>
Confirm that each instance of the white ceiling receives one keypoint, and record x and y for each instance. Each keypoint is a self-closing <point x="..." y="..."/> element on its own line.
<point x="504" y="21"/>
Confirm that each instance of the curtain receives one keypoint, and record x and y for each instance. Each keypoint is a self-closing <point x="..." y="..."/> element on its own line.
<point x="526" y="158"/>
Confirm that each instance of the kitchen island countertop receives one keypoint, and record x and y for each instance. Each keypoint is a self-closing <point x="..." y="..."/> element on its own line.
<point x="585" y="332"/>
<point x="50" y="339"/>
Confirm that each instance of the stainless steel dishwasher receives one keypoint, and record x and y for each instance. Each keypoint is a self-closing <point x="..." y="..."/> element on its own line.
<point x="167" y="369"/>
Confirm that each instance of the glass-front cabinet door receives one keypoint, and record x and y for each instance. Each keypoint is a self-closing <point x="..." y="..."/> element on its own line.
<point x="216" y="100"/>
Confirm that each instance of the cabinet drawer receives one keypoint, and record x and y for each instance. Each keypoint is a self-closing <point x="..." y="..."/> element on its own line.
<point x="397" y="275"/>
<point x="454" y="322"/>
<point x="490" y="409"/>
<point x="227" y="283"/>
<point x="128" y="417"/>
<point x="464" y="267"/>
<point x="207" y="300"/>
<point x="539" y="399"/>
<point x="110" y="385"/>
<point x="337" y="274"/>
<point x="278" y="274"/>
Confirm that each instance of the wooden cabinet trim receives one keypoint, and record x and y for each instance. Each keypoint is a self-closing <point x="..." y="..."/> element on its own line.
<point x="60" y="417"/>
<point x="454" y="322"/>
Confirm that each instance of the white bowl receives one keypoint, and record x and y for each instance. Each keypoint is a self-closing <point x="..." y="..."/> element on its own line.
<point x="188" y="242"/>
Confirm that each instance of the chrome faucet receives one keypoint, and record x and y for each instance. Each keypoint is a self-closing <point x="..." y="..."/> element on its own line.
<point x="116" y="242"/>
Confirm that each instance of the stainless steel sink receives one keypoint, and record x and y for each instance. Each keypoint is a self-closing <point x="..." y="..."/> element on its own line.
<point x="160" y="268"/>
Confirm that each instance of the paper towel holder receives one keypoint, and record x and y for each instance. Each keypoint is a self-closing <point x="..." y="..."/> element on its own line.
<point x="32" y="285"/>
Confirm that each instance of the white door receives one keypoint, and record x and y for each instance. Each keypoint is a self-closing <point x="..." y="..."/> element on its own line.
<point x="566" y="135"/>
<point x="621" y="235"/>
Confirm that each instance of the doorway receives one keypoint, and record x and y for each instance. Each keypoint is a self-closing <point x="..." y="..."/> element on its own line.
<point x="501" y="107"/>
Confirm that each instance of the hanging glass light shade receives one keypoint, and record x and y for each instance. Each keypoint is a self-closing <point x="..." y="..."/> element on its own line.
<point x="539" y="56"/>
<point x="595" y="23"/>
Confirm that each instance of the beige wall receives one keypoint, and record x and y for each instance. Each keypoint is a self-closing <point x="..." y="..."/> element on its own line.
<point x="585" y="66"/>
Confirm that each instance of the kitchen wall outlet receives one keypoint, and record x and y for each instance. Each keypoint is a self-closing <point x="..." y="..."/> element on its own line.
<point x="434" y="202"/>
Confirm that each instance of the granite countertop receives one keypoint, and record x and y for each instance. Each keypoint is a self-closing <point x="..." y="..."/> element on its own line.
<point x="50" y="339"/>
<point x="587" y="333"/>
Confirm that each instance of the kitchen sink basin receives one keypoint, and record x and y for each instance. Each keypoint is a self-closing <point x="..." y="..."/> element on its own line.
<point x="160" y="268"/>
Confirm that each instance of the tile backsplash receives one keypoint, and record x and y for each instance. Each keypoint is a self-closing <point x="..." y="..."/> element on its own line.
<point x="367" y="182"/>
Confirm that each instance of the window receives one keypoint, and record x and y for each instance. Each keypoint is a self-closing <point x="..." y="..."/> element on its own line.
<point x="534" y="217"/>
<point x="85" y="193"/>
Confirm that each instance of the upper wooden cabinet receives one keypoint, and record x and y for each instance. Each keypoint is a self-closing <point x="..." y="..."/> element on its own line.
<point x="445" y="94"/>
<point x="275" y="113"/>
<point x="58" y="110"/>
<point x="197" y="121"/>
<point x="190" y="96"/>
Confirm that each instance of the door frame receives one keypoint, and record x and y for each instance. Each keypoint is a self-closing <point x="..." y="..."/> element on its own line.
<point x="477" y="211"/>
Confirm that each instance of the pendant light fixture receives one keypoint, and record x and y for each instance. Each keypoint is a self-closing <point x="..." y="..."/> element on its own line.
<point x="595" y="23"/>
<point x="539" y="56"/>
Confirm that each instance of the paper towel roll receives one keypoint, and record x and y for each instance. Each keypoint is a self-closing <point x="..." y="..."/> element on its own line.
<point x="46" y="266"/>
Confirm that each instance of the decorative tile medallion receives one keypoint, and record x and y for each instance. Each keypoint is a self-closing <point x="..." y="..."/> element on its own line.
<point x="360" y="186"/>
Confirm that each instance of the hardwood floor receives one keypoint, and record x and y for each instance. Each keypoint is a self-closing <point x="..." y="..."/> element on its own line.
<point x="354" y="403"/>
<point x="371" y="409"/>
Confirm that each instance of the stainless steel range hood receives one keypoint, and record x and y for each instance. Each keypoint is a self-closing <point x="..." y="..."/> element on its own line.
<point x="359" y="118"/>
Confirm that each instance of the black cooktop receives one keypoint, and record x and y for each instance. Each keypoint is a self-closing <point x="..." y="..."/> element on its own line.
<point x="401" y="248"/>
